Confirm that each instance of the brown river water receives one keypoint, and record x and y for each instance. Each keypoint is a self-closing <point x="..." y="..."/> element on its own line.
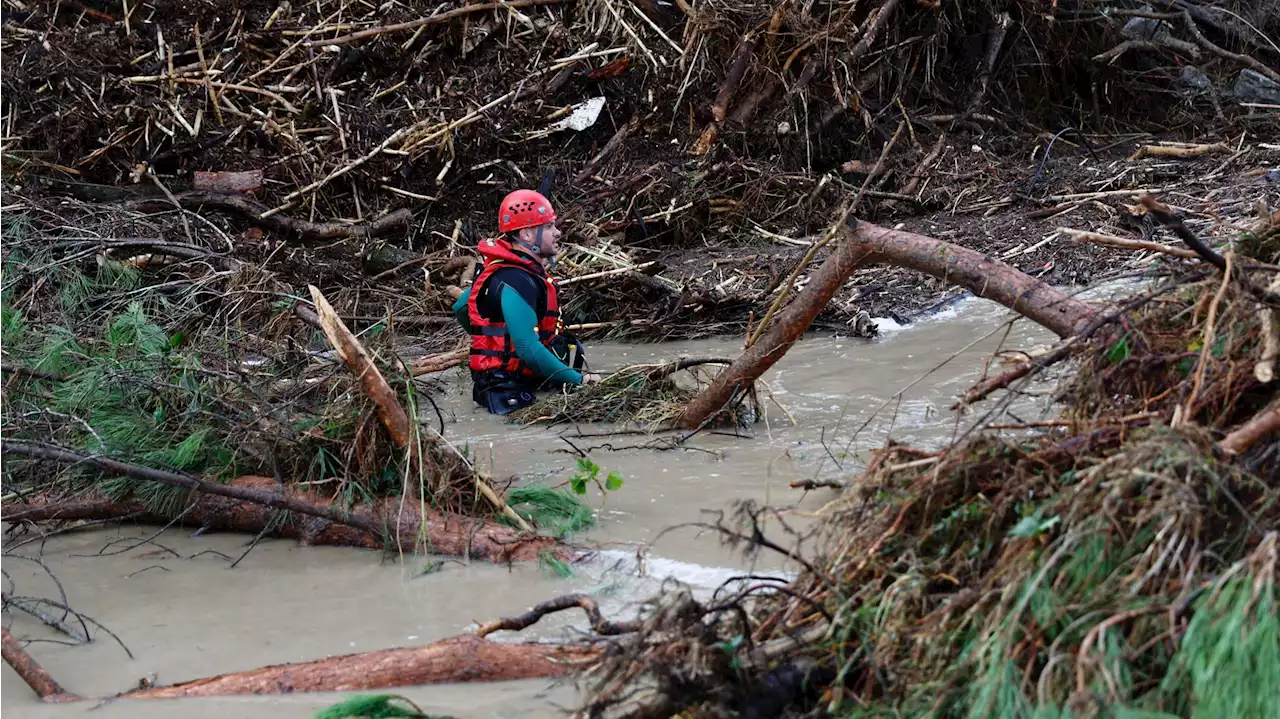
<point x="194" y="616"/>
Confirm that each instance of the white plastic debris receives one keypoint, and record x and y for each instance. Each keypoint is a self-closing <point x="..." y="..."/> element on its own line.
<point x="584" y="115"/>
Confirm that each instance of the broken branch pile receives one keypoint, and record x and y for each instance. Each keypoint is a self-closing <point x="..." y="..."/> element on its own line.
<point x="670" y="125"/>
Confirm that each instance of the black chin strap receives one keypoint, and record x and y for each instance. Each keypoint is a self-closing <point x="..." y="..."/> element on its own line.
<point x="536" y="248"/>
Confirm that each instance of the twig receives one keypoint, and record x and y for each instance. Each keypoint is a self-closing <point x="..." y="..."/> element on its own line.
<point x="37" y="374"/>
<point x="439" y="362"/>
<point x="186" y="226"/>
<point x="1210" y="330"/>
<point x="1220" y="52"/>
<point x="1242" y="438"/>
<point x="256" y="213"/>
<point x="609" y="148"/>
<point x="606" y="273"/>
<point x="432" y="20"/>
<point x="817" y="483"/>
<point x="1061" y="351"/>
<point x="205" y="81"/>
<point x="20" y="604"/>
<point x="1206" y="253"/>
<point x="719" y="108"/>
<point x="1181" y="151"/>
<point x="599" y="624"/>
<point x="1097" y="238"/>
<point x="357" y="359"/>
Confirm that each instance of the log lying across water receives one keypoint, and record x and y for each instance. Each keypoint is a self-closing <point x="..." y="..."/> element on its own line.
<point x="463" y="658"/>
<point x="865" y="244"/>
<point x="379" y="526"/>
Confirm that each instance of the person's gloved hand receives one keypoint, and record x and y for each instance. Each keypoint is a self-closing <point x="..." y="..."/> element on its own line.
<point x="590" y="378"/>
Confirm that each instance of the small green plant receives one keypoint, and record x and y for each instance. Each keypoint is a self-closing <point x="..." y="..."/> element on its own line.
<point x="589" y="473"/>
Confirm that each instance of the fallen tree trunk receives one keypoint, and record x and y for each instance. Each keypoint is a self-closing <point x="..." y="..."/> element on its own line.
<point x="865" y="244"/>
<point x="463" y="658"/>
<point x="32" y="673"/>
<point x="382" y="525"/>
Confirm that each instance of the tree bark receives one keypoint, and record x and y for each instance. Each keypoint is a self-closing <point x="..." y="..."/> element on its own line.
<point x="463" y="658"/>
<point x="32" y="673"/>
<point x="361" y="365"/>
<point x="379" y="526"/>
<point x="868" y="243"/>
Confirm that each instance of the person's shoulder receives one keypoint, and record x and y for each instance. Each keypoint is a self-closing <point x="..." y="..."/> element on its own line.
<point x="519" y="278"/>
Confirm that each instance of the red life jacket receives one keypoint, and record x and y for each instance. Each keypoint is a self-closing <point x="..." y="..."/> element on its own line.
<point x="491" y="346"/>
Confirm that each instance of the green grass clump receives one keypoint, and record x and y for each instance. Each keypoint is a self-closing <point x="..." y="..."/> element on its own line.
<point x="375" y="706"/>
<point x="555" y="511"/>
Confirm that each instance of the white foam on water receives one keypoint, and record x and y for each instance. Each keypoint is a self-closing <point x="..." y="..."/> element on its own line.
<point x="659" y="569"/>
<point x="886" y="324"/>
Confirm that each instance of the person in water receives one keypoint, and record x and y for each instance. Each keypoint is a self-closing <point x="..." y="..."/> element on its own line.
<point x="511" y="311"/>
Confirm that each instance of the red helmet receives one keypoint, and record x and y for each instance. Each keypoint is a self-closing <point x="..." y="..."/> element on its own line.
<point x="524" y="208"/>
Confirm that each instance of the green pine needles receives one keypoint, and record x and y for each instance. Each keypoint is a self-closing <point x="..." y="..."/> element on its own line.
<point x="375" y="706"/>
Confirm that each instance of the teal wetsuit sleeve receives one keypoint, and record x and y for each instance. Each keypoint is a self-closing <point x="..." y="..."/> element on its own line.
<point x="460" y="310"/>
<point x="521" y="326"/>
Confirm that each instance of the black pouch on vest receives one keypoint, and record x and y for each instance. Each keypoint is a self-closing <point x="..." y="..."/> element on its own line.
<point x="500" y="400"/>
<point x="500" y="392"/>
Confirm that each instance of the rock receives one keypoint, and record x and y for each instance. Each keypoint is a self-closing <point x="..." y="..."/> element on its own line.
<point x="1191" y="77"/>
<point x="1254" y="87"/>
<point x="1141" y="28"/>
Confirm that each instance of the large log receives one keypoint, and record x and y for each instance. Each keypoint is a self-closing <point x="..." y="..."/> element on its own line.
<point x="867" y="243"/>
<point x="463" y="658"/>
<point x="382" y="525"/>
<point x="31" y="672"/>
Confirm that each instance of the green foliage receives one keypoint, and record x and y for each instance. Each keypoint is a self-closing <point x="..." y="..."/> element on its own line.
<point x="1120" y="351"/>
<point x="553" y="510"/>
<point x="1034" y="524"/>
<point x="76" y="289"/>
<point x="1229" y="657"/>
<point x="553" y="566"/>
<point x="13" y="327"/>
<point x="375" y="706"/>
<point x="130" y="395"/>
<point x="589" y="473"/>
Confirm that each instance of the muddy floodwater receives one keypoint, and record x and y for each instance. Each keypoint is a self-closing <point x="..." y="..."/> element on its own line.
<point x="191" y="615"/>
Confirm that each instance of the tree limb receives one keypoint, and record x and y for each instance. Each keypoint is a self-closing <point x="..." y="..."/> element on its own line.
<point x="306" y="230"/>
<point x="32" y="673"/>
<point x="868" y="243"/>
<point x="599" y="624"/>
